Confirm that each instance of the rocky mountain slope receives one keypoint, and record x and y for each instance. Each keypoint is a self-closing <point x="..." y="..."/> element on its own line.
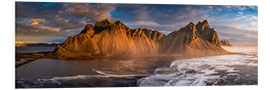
<point x="107" y="38"/>
<point x="191" y="39"/>
<point x="225" y="43"/>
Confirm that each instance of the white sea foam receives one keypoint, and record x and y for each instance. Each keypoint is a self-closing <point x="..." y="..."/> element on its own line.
<point x="101" y="74"/>
<point x="200" y="71"/>
<point x="57" y="80"/>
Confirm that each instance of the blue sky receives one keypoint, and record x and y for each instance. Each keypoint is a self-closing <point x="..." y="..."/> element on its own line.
<point x="54" y="22"/>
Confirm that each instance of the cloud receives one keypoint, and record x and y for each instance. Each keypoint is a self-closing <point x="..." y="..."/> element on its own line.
<point x="93" y="12"/>
<point x="146" y="23"/>
<point x="154" y="25"/>
<point x="247" y="26"/>
<point x="240" y="12"/>
<point x="50" y="18"/>
<point x="66" y="24"/>
<point x="42" y="27"/>
<point x="239" y="29"/>
<point x="36" y="21"/>
<point x="241" y="8"/>
<point x="29" y="32"/>
<point x="245" y="33"/>
<point x="46" y="20"/>
<point x="169" y="18"/>
<point x="253" y="7"/>
<point x="37" y="26"/>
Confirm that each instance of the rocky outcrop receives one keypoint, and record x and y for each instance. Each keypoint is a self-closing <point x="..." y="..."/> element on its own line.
<point x="205" y="32"/>
<point x="154" y="35"/>
<point x="191" y="39"/>
<point x="225" y="43"/>
<point x="107" y="38"/>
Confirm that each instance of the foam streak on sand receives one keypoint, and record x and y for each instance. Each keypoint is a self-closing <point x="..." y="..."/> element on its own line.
<point x="201" y="71"/>
<point x="58" y="80"/>
<point x="101" y="74"/>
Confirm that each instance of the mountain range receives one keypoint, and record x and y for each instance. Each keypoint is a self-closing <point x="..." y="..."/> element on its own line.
<point x="36" y="44"/>
<point x="108" y="38"/>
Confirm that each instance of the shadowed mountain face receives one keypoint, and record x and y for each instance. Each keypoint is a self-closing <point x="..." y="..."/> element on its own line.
<point x="225" y="43"/>
<point x="107" y="38"/>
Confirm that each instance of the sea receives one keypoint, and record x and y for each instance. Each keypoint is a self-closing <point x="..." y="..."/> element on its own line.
<point x="232" y="69"/>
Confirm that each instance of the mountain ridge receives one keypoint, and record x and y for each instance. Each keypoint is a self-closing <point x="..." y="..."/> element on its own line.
<point x="108" y="38"/>
<point x="193" y="39"/>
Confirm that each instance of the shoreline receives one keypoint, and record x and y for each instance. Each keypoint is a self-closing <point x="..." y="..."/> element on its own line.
<point x="30" y="57"/>
<point x="47" y="55"/>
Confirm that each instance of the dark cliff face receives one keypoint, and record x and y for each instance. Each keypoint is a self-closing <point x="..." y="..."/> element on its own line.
<point x="153" y="35"/>
<point x="225" y="43"/>
<point x="205" y="32"/>
<point x="107" y="38"/>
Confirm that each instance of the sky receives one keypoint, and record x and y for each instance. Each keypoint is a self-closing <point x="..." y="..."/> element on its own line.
<point x="54" y="22"/>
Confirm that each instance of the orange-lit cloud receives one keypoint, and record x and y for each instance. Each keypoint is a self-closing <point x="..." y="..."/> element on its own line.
<point x="93" y="12"/>
<point x="28" y="32"/>
<point x="36" y="21"/>
<point x="41" y="27"/>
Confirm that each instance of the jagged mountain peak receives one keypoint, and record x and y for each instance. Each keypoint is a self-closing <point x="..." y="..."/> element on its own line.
<point x="205" y="21"/>
<point x="104" y="23"/>
<point x="118" y="22"/>
<point x="191" y="24"/>
<point x="107" y="21"/>
<point x="118" y="25"/>
<point x="202" y="25"/>
<point x="190" y="27"/>
<point x="225" y="43"/>
<point x="87" y="28"/>
<point x="89" y="25"/>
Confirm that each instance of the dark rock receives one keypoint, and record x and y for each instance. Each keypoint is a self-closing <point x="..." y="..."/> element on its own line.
<point x="225" y="43"/>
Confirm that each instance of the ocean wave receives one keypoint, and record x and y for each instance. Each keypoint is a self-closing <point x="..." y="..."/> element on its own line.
<point x="199" y="71"/>
<point x="57" y="80"/>
<point x="101" y="74"/>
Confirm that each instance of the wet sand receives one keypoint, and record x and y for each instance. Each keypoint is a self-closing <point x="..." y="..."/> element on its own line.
<point x="247" y="75"/>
